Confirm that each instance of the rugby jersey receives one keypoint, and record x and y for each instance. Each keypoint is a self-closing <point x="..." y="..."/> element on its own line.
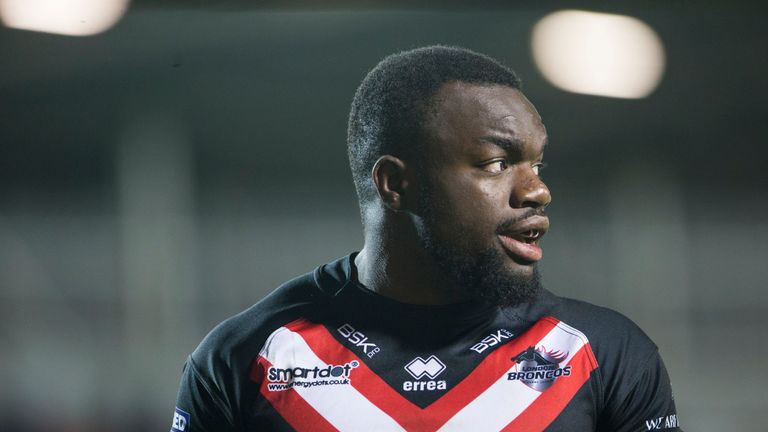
<point x="323" y="353"/>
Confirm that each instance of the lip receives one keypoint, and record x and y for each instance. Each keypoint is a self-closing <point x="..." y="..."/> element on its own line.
<point x="523" y="251"/>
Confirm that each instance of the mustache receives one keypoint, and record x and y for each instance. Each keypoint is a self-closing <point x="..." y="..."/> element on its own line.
<point x="508" y="224"/>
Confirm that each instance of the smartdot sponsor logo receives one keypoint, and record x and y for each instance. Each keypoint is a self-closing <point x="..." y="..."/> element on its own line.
<point x="281" y="379"/>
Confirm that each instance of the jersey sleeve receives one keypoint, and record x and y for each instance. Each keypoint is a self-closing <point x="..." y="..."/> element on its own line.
<point x="199" y="406"/>
<point x="645" y="404"/>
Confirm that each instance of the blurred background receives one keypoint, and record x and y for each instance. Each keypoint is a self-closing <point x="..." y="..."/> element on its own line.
<point x="165" y="164"/>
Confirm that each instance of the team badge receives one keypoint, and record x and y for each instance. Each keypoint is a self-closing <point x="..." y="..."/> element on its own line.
<point x="538" y="368"/>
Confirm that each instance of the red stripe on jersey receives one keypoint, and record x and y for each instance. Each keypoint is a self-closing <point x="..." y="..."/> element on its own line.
<point x="365" y="381"/>
<point x="547" y="406"/>
<point x="290" y="405"/>
<point x="407" y="414"/>
<point x="551" y="402"/>
<point x="494" y="366"/>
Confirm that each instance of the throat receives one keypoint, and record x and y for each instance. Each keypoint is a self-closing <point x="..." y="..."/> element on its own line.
<point x="409" y="278"/>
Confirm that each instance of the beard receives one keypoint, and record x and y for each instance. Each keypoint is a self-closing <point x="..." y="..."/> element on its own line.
<point x="483" y="275"/>
<point x="477" y="272"/>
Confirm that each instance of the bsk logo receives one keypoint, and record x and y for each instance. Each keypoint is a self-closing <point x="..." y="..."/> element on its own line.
<point x="360" y="340"/>
<point x="431" y="367"/>
<point x="180" y="421"/>
<point x="491" y="340"/>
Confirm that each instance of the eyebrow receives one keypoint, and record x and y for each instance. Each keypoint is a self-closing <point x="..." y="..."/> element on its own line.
<point x="509" y="144"/>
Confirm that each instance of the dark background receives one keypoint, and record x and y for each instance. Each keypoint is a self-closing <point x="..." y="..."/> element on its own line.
<point x="161" y="176"/>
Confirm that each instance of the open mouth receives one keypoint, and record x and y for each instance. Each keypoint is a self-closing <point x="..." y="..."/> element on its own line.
<point x="522" y="241"/>
<point x="529" y="237"/>
<point x="522" y="247"/>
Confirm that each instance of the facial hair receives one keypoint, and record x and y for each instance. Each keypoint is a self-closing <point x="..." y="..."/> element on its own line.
<point x="477" y="273"/>
<point x="483" y="275"/>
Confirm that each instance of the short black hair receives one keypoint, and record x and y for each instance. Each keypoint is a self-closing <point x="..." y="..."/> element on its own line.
<point x="388" y="108"/>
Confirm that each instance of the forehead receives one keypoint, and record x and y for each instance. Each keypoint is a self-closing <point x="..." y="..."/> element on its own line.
<point x="462" y="111"/>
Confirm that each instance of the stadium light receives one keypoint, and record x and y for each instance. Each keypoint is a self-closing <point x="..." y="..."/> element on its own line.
<point x="66" y="17"/>
<point x="599" y="54"/>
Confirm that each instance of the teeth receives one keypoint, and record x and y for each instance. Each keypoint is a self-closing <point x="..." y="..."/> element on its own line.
<point x="529" y="236"/>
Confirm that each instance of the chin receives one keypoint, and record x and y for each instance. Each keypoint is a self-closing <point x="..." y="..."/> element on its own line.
<point x="517" y="285"/>
<point x="488" y="272"/>
<point x="491" y="275"/>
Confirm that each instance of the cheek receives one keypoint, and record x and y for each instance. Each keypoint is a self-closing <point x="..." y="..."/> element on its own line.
<point x="484" y="195"/>
<point x="462" y="183"/>
<point x="469" y="205"/>
<point x="491" y="195"/>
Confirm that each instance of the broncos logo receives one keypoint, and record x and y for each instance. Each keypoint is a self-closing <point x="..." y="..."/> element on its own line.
<point x="538" y="367"/>
<point x="540" y="355"/>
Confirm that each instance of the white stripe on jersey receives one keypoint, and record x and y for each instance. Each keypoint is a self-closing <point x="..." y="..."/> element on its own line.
<point x="505" y="400"/>
<point x="342" y="405"/>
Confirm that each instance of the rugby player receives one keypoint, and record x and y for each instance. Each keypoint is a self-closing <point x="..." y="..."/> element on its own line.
<point x="440" y="322"/>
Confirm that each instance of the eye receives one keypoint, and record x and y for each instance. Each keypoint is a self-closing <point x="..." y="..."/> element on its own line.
<point x="496" y="166"/>
<point x="537" y="167"/>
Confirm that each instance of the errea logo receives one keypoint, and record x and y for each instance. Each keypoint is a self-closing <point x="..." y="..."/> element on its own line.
<point x="419" y="368"/>
<point x="180" y="421"/>
<point x="431" y="367"/>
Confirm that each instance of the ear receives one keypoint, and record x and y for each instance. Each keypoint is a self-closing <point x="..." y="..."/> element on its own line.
<point x="389" y="176"/>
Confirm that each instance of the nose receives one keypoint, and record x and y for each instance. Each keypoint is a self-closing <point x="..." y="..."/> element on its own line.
<point x="529" y="190"/>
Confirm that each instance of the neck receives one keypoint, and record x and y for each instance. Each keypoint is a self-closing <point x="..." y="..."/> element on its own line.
<point x="394" y="264"/>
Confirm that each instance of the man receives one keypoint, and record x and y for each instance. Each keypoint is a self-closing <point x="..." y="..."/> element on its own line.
<point x="439" y="322"/>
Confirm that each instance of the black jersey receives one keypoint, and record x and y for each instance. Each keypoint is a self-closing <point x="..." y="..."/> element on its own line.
<point x="322" y="353"/>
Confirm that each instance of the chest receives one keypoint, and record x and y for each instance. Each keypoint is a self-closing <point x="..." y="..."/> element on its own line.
<point x="317" y="377"/>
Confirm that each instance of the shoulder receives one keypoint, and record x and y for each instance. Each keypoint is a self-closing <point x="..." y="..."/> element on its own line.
<point x="609" y="332"/>
<point x="233" y="344"/>
<point x="217" y="385"/>
<point x="632" y="384"/>
<point x="623" y="351"/>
